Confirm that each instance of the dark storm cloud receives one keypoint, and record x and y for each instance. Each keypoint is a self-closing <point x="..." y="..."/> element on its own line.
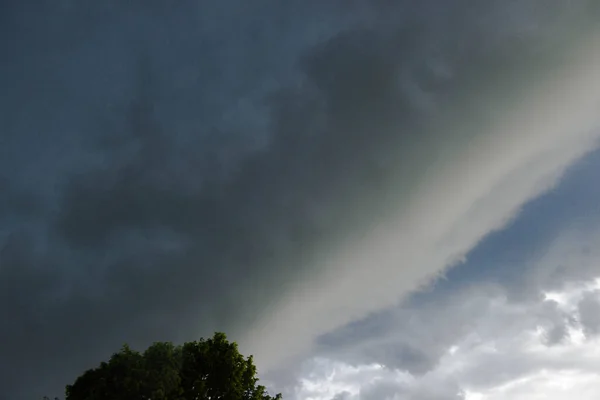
<point x="170" y="170"/>
<point x="16" y="202"/>
<point x="150" y="233"/>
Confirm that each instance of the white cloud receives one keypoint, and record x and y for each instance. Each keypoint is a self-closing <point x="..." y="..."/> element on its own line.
<point x="486" y="344"/>
<point x="504" y="356"/>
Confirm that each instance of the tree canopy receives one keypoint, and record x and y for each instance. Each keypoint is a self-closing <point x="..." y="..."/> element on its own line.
<point x="211" y="369"/>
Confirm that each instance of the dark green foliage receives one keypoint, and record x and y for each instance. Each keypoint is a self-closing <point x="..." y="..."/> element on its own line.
<point x="211" y="369"/>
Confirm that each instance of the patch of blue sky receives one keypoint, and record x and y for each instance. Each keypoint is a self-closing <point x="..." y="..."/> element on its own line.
<point x="501" y="256"/>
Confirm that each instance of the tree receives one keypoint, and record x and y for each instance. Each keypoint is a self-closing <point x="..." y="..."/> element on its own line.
<point x="211" y="369"/>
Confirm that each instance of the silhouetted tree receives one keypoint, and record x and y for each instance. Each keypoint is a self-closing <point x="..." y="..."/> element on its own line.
<point x="211" y="369"/>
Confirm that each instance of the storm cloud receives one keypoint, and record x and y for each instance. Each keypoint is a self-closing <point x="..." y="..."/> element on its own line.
<point x="273" y="170"/>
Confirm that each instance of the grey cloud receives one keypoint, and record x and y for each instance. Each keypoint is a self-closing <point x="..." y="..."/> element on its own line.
<point x="342" y="396"/>
<point x="556" y="334"/>
<point x="408" y="338"/>
<point x="395" y="391"/>
<point x="416" y="337"/>
<point x="386" y="390"/>
<point x="589" y="313"/>
<point x="184" y="173"/>
<point x="555" y="323"/>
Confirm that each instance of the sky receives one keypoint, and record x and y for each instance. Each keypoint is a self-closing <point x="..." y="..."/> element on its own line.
<point x="377" y="199"/>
